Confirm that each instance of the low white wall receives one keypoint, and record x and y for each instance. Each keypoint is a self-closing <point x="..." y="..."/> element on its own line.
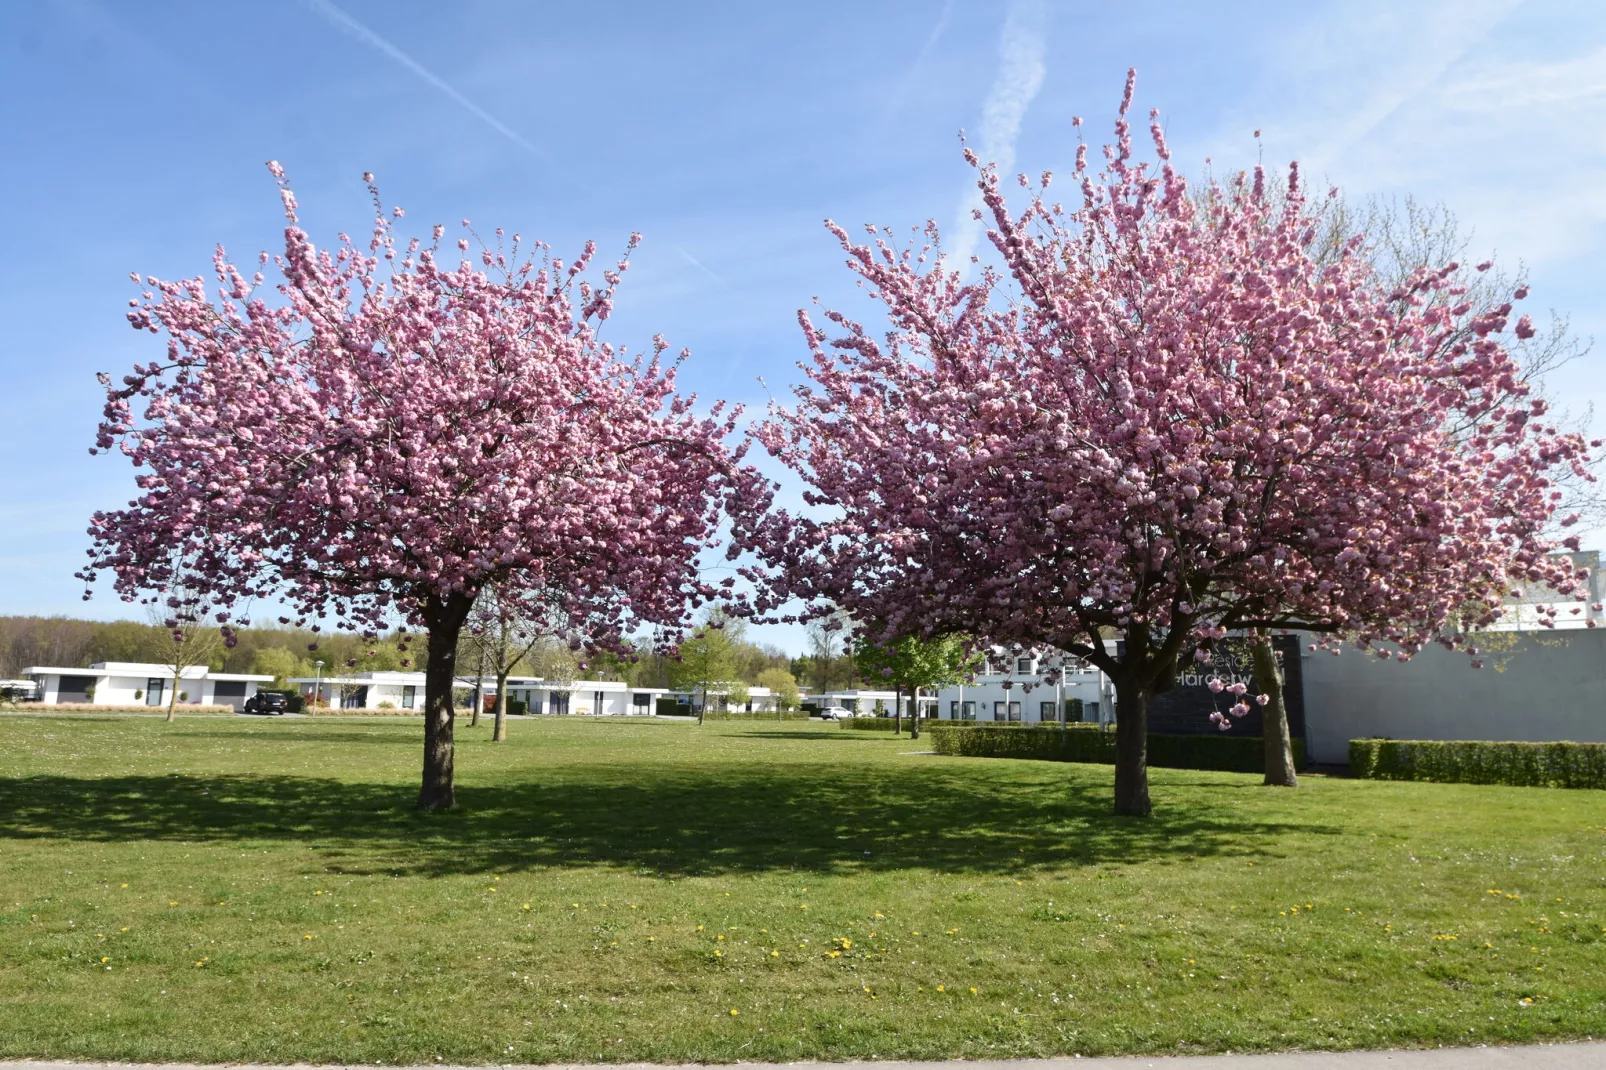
<point x="1553" y="687"/>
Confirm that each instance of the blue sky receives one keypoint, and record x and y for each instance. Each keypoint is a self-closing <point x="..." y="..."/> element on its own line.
<point x="725" y="132"/>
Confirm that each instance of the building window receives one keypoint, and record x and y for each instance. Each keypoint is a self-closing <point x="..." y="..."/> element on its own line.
<point x="153" y="692"/>
<point x="409" y="696"/>
<point x="641" y="702"/>
<point x="999" y="713"/>
<point x="1023" y="665"/>
<point x="967" y="711"/>
<point x="1045" y="712"/>
<point x="1014" y="711"/>
<point x="953" y="710"/>
<point x="986" y="667"/>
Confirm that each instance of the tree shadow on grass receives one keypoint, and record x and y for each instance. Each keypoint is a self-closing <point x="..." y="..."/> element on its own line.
<point x="666" y="821"/>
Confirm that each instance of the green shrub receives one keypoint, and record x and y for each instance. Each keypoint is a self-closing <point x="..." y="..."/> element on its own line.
<point x="1523" y="765"/>
<point x="517" y="706"/>
<point x="754" y="715"/>
<point x="668" y="707"/>
<point x="1087" y="743"/>
<point x="872" y="724"/>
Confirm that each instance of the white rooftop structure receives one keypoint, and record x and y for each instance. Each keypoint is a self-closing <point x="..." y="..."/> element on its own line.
<point x="128" y="684"/>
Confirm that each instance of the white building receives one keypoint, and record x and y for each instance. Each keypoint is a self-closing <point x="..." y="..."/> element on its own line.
<point x="593" y="698"/>
<point x="759" y="699"/>
<point x="862" y="700"/>
<point x="1011" y="687"/>
<point x="405" y="691"/>
<point x="127" y="684"/>
<point x="364" y="690"/>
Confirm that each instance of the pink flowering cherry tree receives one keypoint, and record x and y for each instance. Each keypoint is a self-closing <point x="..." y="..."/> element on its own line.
<point x="1171" y="415"/>
<point x="390" y="427"/>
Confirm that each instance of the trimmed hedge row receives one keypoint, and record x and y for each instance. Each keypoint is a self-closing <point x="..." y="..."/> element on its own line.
<point x="755" y="715"/>
<point x="1086" y="743"/>
<point x="1522" y="765"/>
<point x="871" y="724"/>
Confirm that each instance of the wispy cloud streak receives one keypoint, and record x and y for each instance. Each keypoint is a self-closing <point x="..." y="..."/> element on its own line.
<point x="368" y="37"/>
<point x="1021" y="69"/>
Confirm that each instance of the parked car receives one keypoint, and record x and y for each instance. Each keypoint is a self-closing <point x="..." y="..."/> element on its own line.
<point x="835" y="713"/>
<point x="267" y="703"/>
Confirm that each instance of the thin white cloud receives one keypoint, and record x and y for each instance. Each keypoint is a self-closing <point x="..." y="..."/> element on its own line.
<point x="368" y="37"/>
<point x="1021" y="69"/>
<point x="699" y="265"/>
<point x="906" y="84"/>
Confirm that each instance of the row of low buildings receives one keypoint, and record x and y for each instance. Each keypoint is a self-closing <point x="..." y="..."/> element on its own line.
<point x="1540" y="684"/>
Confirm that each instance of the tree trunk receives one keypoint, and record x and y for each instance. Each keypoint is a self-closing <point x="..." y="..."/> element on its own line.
<point x="703" y="709"/>
<point x="897" y="711"/>
<point x="444" y="617"/>
<point x="1132" y="749"/>
<point x="1274" y="716"/>
<point x="499" y="733"/>
<point x="477" y="702"/>
<point x="914" y="713"/>
<point x="172" y="698"/>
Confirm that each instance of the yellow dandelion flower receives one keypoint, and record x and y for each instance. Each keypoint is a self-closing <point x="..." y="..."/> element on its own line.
<point x="719" y="954"/>
<point x="879" y="916"/>
<point x="124" y="929"/>
<point x="699" y="928"/>
<point x="125" y="886"/>
<point x="775" y="954"/>
<point x="735" y="1013"/>
<point x="652" y="939"/>
<point x="942" y="988"/>
<point x="973" y="991"/>
<point x="526" y="906"/>
<point x="307" y="937"/>
<point x="103" y="958"/>
<point x="172" y="902"/>
<point x="721" y="936"/>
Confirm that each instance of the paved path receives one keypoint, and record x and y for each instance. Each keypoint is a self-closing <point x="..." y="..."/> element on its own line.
<point x="1535" y="1057"/>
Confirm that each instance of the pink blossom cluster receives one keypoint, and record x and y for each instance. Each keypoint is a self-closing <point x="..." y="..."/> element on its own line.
<point x="1170" y="416"/>
<point x="388" y="428"/>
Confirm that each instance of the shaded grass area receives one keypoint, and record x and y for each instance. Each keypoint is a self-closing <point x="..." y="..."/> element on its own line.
<point x="613" y="891"/>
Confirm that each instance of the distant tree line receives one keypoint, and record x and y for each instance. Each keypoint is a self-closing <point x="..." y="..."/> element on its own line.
<point x="70" y="643"/>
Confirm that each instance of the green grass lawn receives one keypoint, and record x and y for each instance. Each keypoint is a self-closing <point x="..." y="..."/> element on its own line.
<point x="609" y="890"/>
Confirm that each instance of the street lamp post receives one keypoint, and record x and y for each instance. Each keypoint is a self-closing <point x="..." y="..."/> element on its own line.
<point x="317" y="687"/>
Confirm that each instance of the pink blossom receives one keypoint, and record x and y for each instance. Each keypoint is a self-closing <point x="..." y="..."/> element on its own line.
<point x="1165" y="397"/>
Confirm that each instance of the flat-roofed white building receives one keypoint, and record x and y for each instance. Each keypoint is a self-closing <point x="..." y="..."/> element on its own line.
<point x="364" y="690"/>
<point x="405" y="691"/>
<point x="586" y="698"/>
<point x="1023" y="685"/>
<point x="128" y="684"/>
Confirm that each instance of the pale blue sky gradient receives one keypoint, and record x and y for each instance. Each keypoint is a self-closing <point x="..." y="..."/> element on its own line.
<point x="135" y="137"/>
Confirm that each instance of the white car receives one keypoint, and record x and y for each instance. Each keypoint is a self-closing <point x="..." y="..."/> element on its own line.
<point x="835" y="713"/>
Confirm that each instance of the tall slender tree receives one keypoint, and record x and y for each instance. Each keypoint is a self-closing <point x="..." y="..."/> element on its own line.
<point x="1166" y="417"/>
<point x="392" y="428"/>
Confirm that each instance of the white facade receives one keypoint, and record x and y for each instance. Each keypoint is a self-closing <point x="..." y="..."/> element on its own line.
<point x="759" y="699"/>
<point x="405" y="691"/>
<point x="127" y="684"/>
<point x="365" y="690"/>
<point x="1012" y="687"/>
<point x="583" y="698"/>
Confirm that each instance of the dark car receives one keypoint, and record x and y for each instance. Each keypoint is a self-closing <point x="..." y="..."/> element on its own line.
<point x="267" y="702"/>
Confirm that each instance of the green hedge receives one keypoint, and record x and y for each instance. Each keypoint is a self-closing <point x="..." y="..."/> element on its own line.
<point x="1087" y="743"/>
<point x="1523" y="765"/>
<point x="872" y="724"/>
<point x="755" y="715"/>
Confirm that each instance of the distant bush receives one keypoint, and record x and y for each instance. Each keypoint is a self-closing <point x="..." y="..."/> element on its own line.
<point x="517" y="706"/>
<point x="872" y="724"/>
<point x="1087" y="743"/>
<point x="755" y="715"/>
<point x="184" y="708"/>
<point x="1523" y="765"/>
<point x="668" y="707"/>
